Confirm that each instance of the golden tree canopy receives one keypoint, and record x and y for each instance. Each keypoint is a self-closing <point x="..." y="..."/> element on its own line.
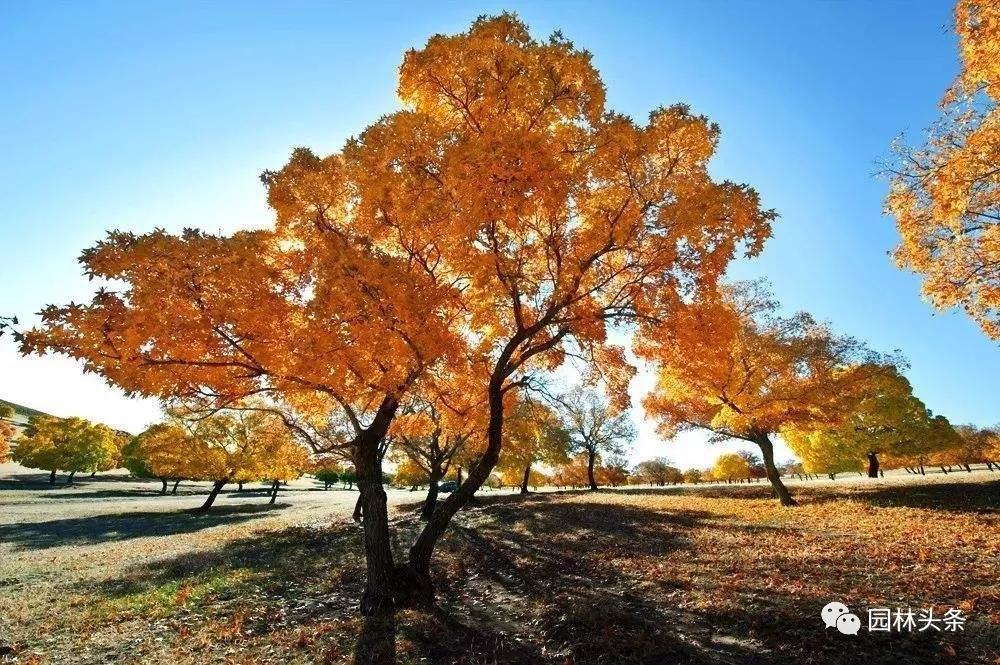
<point x="945" y="196"/>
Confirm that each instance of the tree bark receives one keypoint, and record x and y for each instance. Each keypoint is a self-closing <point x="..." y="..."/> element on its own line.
<point x="274" y="492"/>
<point x="430" y="503"/>
<point x="524" y="480"/>
<point x="216" y="488"/>
<point x="873" y="464"/>
<point x="52" y="477"/>
<point x="377" y="599"/>
<point x="591" y="459"/>
<point x="356" y="515"/>
<point x="767" y="452"/>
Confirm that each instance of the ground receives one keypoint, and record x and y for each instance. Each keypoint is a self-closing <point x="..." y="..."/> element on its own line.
<point x="108" y="571"/>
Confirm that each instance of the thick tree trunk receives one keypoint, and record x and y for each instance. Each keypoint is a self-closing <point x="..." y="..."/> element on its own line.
<point x="173" y="491"/>
<point x="591" y="459"/>
<point x="873" y="464"/>
<point x="377" y="600"/>
<point x="216" y="488"/>
<point x="52" y="477"/>
<point x="163" y="489"/>
<point x="767" y="452"/>
<point x="274" y="492"/>
<point x="525" y="478"/>
<point x="69" y="481"/>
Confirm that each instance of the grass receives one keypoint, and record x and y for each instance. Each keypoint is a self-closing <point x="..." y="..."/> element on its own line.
<point x="718" y="575"/>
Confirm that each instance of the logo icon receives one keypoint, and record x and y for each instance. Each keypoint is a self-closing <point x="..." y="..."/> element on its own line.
<point x="849" y="624"/>
<point x="832" y="612"/>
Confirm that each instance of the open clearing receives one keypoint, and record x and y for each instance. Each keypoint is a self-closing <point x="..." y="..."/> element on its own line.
<point x="108" y="571"/>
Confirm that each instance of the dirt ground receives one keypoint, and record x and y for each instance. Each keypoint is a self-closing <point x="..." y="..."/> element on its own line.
<point x="108" y="571"/>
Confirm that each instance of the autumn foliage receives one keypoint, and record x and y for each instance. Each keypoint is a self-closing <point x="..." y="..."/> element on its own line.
<point x="945" y="196"/>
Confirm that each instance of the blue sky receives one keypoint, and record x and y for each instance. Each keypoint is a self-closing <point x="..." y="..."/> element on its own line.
<point x="135" y="115"/>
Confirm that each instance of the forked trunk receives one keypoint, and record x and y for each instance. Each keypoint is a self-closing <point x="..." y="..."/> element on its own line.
<point x="525" y="478"/>
<point x="591" y="459"/>
<point x="873" y="464"/>
<point x="415" y="588"/>
<point x="216" y="488"/>
<point x="767" y="452"/>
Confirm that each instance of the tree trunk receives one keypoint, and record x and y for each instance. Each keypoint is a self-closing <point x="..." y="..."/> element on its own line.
<point x="69" y="481"/>
<point x="377" y="600"/>
<point x="216" y="488"/>
<point x="967" y="468"/>
<point x="524" y="480"/>
<point x="173" y="491"/>
<point x="873" y="464"/>
<point x="591" y="458"/>
<point x="52" y="477"/>
<point x="239" y="487"/>
<point x="767" y="452"/>
<point x="430" y="503"/>
<point x="416" y="587"/>
<point x="274" y="492"/>
<point x="356" y="515"/>
<point x="93" y="473"/>
<point x="922" y="470"/>
<point x="163" y="490"/>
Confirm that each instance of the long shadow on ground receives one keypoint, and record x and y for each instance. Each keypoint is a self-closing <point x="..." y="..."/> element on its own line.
<point x="122" y="526"/>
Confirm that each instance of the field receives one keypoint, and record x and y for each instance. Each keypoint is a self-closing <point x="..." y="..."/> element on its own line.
<point x="108" y="571"/>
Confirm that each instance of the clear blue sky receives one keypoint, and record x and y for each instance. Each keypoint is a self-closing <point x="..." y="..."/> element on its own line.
<point x="134" y="115"/>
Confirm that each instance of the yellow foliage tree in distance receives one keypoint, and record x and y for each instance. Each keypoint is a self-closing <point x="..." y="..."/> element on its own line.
<point x="7" y="432"/>
<point x="66" y="444"/>
<point x="730" y="467"/>
<point x="732" y="366"/>
<point x="945" y="196"/>
<point x="534" y="433"/>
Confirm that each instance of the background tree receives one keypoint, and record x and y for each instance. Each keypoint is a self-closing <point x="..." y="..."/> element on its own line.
<point x="730" y="467"/>
<point x="656" y="471"/>
<point x="327" y="470"/>
<point x="68" y="444"/>
<point x="134" y="459"/>
<point x="945" y="196"/>
<point x="596" y="428"/>
<point x="756" y="372"/>
<point x="883" y="417"/>
<point x="533" y="433"/>
<point x="7" y="431"/>
<point x="693" y="476"/>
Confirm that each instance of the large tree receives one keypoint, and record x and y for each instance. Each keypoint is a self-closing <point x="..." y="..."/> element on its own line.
<point x="945" y="195"/>
<point x="503" y="209"/>
<point x="596" y="428"/>
<point x="732" y="366"/>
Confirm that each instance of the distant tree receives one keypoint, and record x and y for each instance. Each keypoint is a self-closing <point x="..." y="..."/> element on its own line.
<point x="596" y="428"/>
<point x="67" y="444"/>
<point x="134" y="459"/>
<point x="656" y="471"/>
<point x="534" y="433"/>
<point x="756" y="373"/>
<point x="730" y="467"/>
<point x="614" y="473"/>
<point x="7" y="431"/>
<point x="327" y="471"/>
<point x="693" y="476"/>
<point x="755" y="465"/>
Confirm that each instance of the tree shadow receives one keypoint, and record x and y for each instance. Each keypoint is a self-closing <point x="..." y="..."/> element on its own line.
<point x="955" y="497"/>
<point x="122" y="526"/>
